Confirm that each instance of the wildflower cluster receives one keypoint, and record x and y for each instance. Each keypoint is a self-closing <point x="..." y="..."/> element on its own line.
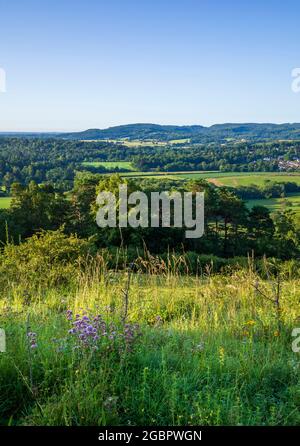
<point x="32" y="339"/>
<point x="92" y="331"/>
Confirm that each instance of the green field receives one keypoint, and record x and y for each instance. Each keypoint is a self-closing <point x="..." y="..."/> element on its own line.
<point x="180" y="141"/>
<point x="291" y="202"/>
<point x="131" y="143"/>
<point x="231" y="179"/>
<point x="235" y="179"/>
<point x="5" y="202"/>
<point x="162" y="175"/>
<point x="110" y="164"/>
<point x="141" y="143"/>
<point x="138" y="143"/>
<point x="174" y="175"/>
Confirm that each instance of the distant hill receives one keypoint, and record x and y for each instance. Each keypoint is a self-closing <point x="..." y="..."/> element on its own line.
<point x="197" y="133"/>
<point x="139" y="131"/>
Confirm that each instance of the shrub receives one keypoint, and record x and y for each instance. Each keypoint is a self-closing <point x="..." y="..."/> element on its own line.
<point x="46" y="259"/>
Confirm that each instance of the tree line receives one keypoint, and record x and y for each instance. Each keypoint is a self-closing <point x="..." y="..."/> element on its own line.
<point x="231" y="229"/>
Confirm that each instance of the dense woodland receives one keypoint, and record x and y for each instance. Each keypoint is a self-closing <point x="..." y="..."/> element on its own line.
<point x="230" y="157"/>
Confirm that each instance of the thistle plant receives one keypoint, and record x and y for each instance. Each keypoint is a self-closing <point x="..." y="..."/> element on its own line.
<point x="94" y="332"/>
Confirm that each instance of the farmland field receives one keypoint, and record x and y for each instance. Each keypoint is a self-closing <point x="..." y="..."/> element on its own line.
<point x="110" y="164"/>
<point x="180" y="141"/>
<point x="230" y="179"/>
<point x="138" y="143"/>
<point x="5" y="202"/>
<point x="162" y="175"/>
<point x="132" y="143"/>
<point x="233" y="179"/>
<point x="291" y="202"/>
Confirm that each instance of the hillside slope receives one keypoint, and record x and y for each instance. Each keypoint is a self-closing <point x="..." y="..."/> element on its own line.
<point x="198" y="133"/>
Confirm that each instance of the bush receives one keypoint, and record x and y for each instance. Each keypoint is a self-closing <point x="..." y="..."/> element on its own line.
<point x="46" y="259"/>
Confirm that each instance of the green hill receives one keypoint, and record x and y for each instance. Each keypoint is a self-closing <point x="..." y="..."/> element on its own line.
<point x="197" y="133"/>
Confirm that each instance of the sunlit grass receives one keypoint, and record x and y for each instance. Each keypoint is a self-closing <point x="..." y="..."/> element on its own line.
<point x="291" y="202"/>
<point x="212" y="352"/>
<point x="110" y="164"/>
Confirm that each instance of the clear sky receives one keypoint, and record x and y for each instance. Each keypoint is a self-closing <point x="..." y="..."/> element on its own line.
<point x="73" y="65"/>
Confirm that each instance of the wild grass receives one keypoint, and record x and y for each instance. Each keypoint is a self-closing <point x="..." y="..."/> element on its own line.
<point x="212" y="351"/>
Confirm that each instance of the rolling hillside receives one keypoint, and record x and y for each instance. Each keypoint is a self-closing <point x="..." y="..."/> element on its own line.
<point x="197" y="133"/>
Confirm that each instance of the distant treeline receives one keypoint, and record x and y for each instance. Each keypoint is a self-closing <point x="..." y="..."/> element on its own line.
<point x="230" y="157"/>
<point x="271" y="189"/>
<point x="53" y="161"/>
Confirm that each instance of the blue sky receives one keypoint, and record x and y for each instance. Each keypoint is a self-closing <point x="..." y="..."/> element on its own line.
<point x="72" y="65"/>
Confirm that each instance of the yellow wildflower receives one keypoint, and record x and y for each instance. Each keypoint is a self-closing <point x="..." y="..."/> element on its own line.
<point x="251" y="322"/>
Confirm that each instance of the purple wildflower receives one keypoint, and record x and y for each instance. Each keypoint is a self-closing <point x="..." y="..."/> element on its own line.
<point x="32" y="339"/>
<point x="92" y="331"/>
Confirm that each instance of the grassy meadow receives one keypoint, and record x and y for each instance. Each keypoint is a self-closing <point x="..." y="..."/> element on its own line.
<point x="207" y="350"/>
<point x="259" y="179"/>
<point x="291" y="202"/>
<point x="230" y="179"/>
<point x="235" y="179"/>
<point x="110" y="164"/>
<point x="133" y="143"/>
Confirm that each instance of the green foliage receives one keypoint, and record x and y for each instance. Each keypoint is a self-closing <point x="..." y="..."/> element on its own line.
<point x="35" y="207"/>
<point x="48" y="258"/>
